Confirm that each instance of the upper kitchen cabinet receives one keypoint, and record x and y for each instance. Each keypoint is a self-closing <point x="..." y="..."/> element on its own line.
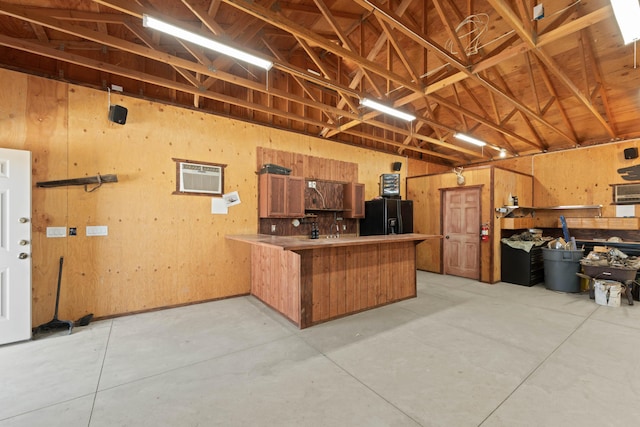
<point x="281" y="196"/>
<point x="353" y="200"/>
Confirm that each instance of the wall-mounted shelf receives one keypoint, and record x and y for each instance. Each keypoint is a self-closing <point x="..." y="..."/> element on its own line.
<point x="98" y="180"/>
<point x="510" y="211"/>
<point x="601" y="223"/>
<point x="324" y="210"/>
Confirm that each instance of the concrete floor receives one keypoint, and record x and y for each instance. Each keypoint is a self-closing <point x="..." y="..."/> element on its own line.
<point x="461" y="354"/>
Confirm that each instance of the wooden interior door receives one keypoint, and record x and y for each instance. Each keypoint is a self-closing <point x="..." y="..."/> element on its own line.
<point x="461" y="230"/>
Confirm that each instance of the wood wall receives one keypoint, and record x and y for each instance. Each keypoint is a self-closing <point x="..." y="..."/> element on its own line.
<point x="496" y="185"/>
<point x="162" y="249"/>
<point x="165" y="249"/>
<point x="582" y="176"/>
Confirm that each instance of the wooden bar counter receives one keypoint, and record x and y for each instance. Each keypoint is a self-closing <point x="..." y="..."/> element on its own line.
<point x="314" y="280"/>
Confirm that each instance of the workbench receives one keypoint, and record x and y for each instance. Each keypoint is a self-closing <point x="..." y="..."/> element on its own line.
<point x="310" y="281"/>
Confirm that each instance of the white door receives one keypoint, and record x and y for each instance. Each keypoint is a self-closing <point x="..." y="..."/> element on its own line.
<point x="15" y="245"/>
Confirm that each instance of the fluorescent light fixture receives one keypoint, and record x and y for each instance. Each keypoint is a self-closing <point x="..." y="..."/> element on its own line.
<point x="387" y="110"/>
<point x="208" y="43"/>
<point x="627" y="14"/>
<point x="470" y="139"/>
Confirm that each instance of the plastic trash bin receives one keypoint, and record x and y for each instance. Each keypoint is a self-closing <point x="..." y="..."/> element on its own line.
<point x="560" y="268"/>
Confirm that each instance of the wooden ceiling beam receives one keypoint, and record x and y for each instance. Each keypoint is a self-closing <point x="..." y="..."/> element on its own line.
<point x="451" y="31"/>
<point x="143" y="77"/>
<point x="142" y="35"/>
<point x="554" y="95"/>
<point x="203" y="15"/>
<point x="282" y="22"/>
<point x="375" y="50"/>
<point x="599" y="87"/>
<point x="532" y="81"/>
<point x="401" y="53"/>
<point x="346" y="98"/>
<point x="541" y="145"/>
<point x="166" y="58"/>
<point x="507" y="13"/>
<point x="326" y="13"/>
<point x="413" y="34"/>
<point x="454" y="160"/>
<point x="302" y="7"/>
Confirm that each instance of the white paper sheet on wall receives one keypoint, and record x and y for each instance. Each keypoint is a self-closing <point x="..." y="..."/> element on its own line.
<point x="232" y="198"/>
<point x="625" y="211"/>
<point x="219" y="206"/>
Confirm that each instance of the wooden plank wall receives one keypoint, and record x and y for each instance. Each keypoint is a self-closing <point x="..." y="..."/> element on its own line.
<point x="307" y="166"/>
<point x="162" y="249"/>
<point x="506" y="183"/>
<point x="358" y="278"/>
<point x="267" y="283"/>
<point x="496" y="186"/>
<point x="582" y="176"/>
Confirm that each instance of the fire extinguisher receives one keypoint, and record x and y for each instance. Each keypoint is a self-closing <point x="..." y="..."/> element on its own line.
<point x="484" y="232"/>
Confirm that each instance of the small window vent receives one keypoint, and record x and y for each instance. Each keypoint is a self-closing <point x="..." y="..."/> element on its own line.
<point x="626" y="194"/>
<point x="195" y="178"/>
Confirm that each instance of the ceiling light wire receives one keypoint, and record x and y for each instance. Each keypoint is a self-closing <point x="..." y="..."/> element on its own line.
<point x="479" y="24"/>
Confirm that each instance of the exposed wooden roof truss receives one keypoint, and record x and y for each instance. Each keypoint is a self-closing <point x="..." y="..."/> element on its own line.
<point x="480" y="67"/>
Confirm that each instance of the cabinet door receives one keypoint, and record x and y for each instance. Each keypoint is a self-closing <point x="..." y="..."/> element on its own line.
<point x="353" y="200"/>
<point x="295" y="197"/>
<point x="272" y="196"/>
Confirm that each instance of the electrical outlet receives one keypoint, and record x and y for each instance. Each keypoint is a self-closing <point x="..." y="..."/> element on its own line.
<point x="56" y="231"/>
<point x="273" y="228"/>
<point x="312" y="184"/>
<point x="97" y="230"/>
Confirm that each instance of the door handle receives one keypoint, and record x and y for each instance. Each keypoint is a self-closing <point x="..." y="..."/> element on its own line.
<point x="23" y="255"/>
<point x="23" y="220"/>
<point x="446" y="237"/>
<point x="24" y="242"/>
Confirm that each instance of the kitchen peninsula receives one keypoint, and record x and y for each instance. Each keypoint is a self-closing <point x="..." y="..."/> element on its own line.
<point x="310" y="281"/>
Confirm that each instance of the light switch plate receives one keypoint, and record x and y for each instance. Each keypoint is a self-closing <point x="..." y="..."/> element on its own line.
<point x="56" y="231"/>
<point x="97" y="230"/>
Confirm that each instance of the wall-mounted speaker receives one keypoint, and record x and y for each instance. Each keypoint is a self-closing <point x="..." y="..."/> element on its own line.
<point x="396" y="166"/>
<point x="630" y="153"/>
<point x="118" y="114"/>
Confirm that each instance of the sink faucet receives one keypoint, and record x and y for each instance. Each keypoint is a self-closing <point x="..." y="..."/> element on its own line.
<point x="334" y="231"/>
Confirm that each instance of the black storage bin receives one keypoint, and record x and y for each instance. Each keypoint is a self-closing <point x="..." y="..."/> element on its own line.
<point x="521" y="267"/>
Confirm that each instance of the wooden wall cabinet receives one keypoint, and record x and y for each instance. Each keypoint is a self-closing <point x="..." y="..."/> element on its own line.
<point x="280" y="196"/>
<point x="353" y="200"/>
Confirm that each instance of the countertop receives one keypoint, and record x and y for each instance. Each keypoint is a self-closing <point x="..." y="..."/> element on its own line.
<point x="289" y="243"/>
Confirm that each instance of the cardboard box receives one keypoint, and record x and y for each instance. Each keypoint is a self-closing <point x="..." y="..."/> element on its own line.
<point x="607" y="292"/>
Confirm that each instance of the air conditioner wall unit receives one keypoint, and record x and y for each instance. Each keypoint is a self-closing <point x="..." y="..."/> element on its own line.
<point x="195" y="178"/>
<point x="626" y="194"/>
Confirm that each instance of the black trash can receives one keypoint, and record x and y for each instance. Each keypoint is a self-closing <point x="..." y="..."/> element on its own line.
<point x="560" y="268"/>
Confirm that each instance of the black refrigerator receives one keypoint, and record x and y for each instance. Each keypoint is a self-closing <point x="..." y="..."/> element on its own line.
<point x="387" y="216"/>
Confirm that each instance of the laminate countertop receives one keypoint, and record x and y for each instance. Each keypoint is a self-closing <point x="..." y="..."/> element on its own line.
<point x="289" y="243"/>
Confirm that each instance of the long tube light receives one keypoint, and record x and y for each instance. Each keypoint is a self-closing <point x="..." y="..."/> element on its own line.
<point x="387" y="110"/>
<point x="156" y="24"/>
<point x="469" y="139"/>
<point x="627" y="14"/>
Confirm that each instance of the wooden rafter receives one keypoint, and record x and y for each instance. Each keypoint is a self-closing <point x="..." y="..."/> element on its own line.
<point x="361" y="48"/>
<point x="507" y="13"/>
